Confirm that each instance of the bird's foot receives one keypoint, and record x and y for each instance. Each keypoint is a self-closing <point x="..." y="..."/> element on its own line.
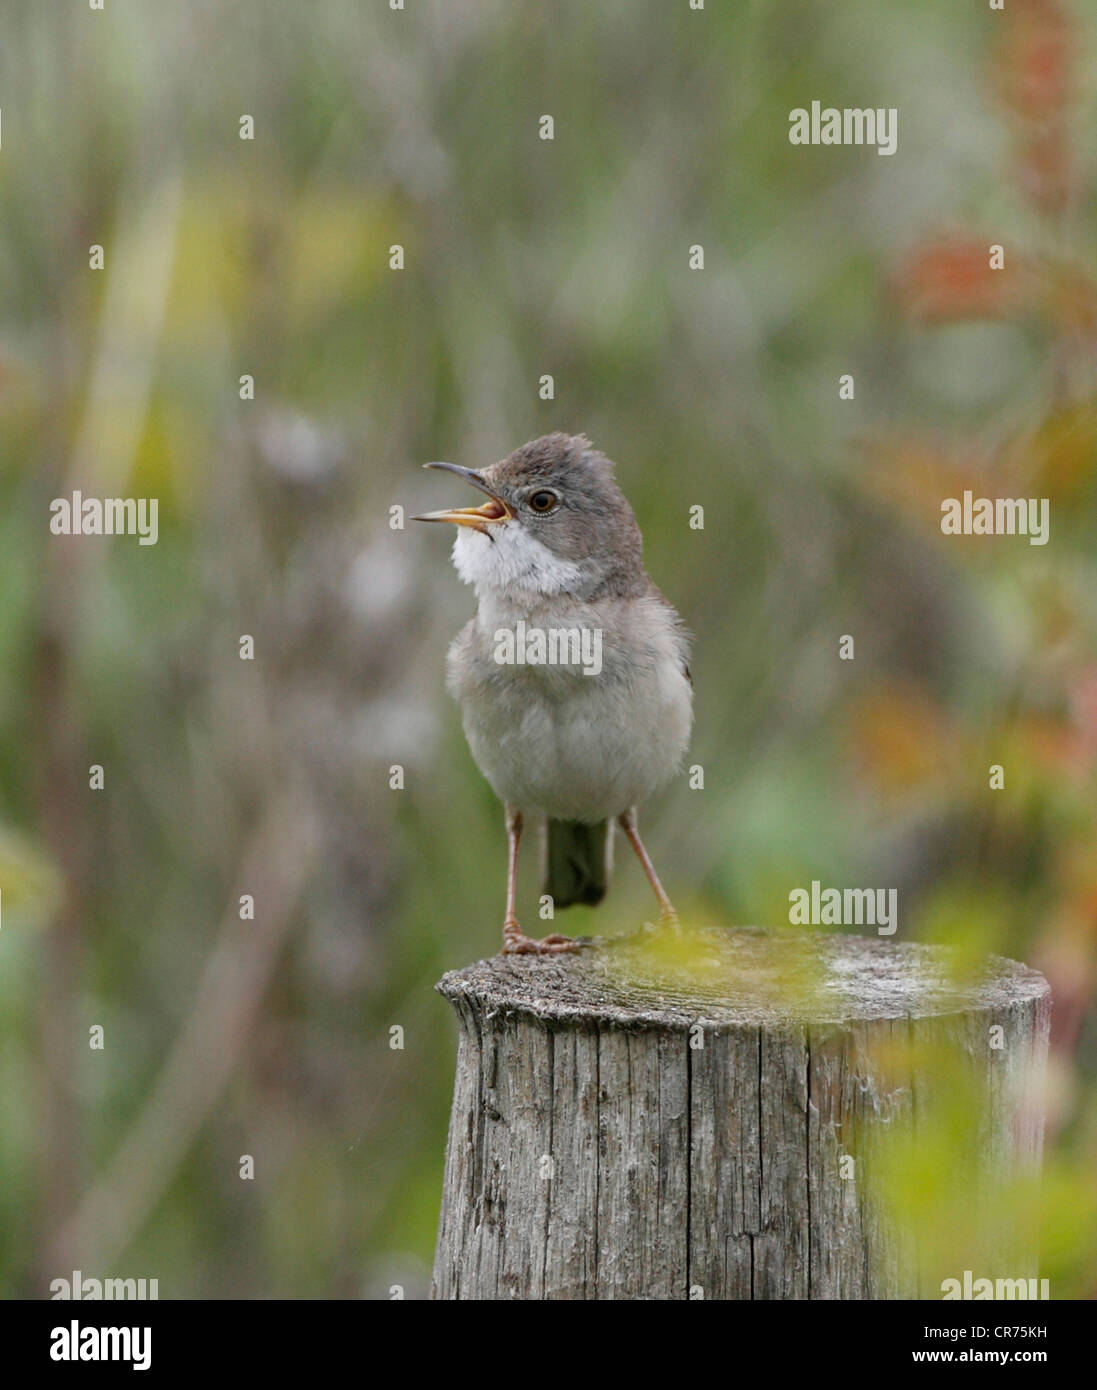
<point x="517" y="943"/>
<point x="651" y="931"/>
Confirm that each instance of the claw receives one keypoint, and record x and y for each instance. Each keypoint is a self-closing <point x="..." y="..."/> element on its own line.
<point x="517" y="943"/>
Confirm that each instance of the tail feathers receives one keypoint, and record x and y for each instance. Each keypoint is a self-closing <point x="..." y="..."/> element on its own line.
<point x="577" y="861"/>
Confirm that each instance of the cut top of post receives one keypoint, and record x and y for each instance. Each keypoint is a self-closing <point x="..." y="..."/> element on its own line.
<point x="745" y="976"/>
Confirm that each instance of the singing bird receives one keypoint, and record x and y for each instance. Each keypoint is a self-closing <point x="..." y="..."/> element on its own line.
<point x="582" y="724"/>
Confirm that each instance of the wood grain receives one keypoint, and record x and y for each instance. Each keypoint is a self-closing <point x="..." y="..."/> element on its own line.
<point x="643" y="1123"/>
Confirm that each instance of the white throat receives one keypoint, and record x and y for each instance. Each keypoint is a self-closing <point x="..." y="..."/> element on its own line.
<point x="513" y="565"/>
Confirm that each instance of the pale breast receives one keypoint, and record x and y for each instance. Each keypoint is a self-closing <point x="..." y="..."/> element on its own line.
<point x="579" y="747"/>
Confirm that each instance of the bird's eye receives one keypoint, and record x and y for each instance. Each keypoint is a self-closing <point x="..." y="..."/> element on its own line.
<point x="542" y="501"/>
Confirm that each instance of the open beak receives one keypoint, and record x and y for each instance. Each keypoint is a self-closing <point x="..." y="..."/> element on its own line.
<point x="479" y="518"/>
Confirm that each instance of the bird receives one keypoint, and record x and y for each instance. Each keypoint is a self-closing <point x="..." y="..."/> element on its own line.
<point x="573" y="676"/>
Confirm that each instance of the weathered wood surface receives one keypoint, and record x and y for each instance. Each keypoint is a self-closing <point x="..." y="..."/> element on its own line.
<point x="627" y="1128"/>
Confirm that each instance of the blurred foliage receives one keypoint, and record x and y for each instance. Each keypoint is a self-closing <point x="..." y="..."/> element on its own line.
<point x="719" y="388"/>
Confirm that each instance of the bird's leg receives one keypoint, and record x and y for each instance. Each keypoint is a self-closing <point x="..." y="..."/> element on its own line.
<point x="627" y="822"/>
<point x="515" y="941"/>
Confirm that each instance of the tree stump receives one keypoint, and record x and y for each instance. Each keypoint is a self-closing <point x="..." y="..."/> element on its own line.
<point x="709" y="1116"/>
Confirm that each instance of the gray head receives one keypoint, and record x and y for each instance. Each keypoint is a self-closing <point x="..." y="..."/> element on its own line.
<point x="555" y="523"/>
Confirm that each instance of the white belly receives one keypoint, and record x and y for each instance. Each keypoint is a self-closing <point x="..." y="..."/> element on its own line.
<point x="578" y="747"/>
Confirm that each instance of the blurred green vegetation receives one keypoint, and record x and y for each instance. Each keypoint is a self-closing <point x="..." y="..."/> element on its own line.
<point x="717" y="387"/>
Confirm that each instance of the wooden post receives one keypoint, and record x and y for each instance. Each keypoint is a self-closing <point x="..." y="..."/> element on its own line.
<point x="706" y="1125"/>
